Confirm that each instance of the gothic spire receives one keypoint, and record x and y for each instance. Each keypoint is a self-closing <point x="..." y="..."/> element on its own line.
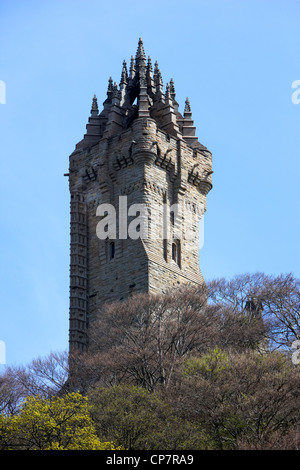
<point x="142" y="83"/>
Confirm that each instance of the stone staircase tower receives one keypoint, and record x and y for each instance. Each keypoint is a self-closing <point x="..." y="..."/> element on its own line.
<point x="138" y="183"/>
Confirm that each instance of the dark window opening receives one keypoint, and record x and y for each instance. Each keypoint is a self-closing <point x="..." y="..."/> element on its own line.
<point x="176" y="252"/>
<point x="172" y="217"/>
<point x="165" y="250"/>
<point x="112" y="250"/>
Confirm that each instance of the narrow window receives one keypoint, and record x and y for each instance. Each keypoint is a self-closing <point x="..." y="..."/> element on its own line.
<point x="112" y="250"/>
<point x="165" y="249"/>
<point x="174" y="252"/>
<point x="172" y="218"/>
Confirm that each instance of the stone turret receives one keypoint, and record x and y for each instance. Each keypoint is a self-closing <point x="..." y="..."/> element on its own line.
<point x="138" y="182"/>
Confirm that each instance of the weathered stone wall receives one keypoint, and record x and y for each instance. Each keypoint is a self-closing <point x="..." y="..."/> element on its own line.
<point x="143" y="154"/>
<point x="148" y="167"/>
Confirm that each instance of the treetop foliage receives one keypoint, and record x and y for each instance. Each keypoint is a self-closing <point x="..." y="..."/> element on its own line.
<point x="198" y="368"/>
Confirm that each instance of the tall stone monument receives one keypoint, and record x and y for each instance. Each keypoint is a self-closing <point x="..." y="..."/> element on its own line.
<point x="138" y="184"/>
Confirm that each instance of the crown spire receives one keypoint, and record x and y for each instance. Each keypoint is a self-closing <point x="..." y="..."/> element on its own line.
<point x="141" y="94"/>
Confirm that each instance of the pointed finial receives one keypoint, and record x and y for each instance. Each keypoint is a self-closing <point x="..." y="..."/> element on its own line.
<point x="115" y="89"/>
<point x="94" y="110"/>
<point x="110" y="84"/>
<point x="149" y="66"/>
<point x="187" y="108"/>
<point x="140" y="50"/>
<point x="132" y="67"/>
<point x="172" y="88"/>
<point x="110" y="88"/>
<point x="173" y="95"/>
<point x="95" y="103"/>
<point x="157" y="75"/>
<point x="168" y="90"/>
<point x="124" y="74"/>
<point x="115" y="94"/>
<point x="158" y="83"/>
<point x="140" y="53"/>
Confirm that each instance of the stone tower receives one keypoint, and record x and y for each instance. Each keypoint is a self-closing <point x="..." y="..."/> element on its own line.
<point x="138" y="184"/>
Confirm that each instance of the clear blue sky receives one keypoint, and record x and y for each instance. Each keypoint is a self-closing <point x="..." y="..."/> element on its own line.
<point x="236" y="60"/>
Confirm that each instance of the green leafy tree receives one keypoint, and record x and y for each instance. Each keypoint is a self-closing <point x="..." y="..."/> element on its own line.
<point x="60" y="423"/>
<point x="247" y="400"/>
<point x="207" y="365"/>
<point x="137" y="419"/>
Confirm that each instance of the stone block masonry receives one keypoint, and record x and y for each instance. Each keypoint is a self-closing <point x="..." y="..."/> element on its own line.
<point x="139" y="146"/>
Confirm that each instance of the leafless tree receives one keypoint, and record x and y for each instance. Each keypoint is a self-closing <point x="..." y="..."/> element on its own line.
<point x="273" y="299"/>
<point x="281" y="304"/>
<point x="43" y="376"/>
<point x="143" y="339"/>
